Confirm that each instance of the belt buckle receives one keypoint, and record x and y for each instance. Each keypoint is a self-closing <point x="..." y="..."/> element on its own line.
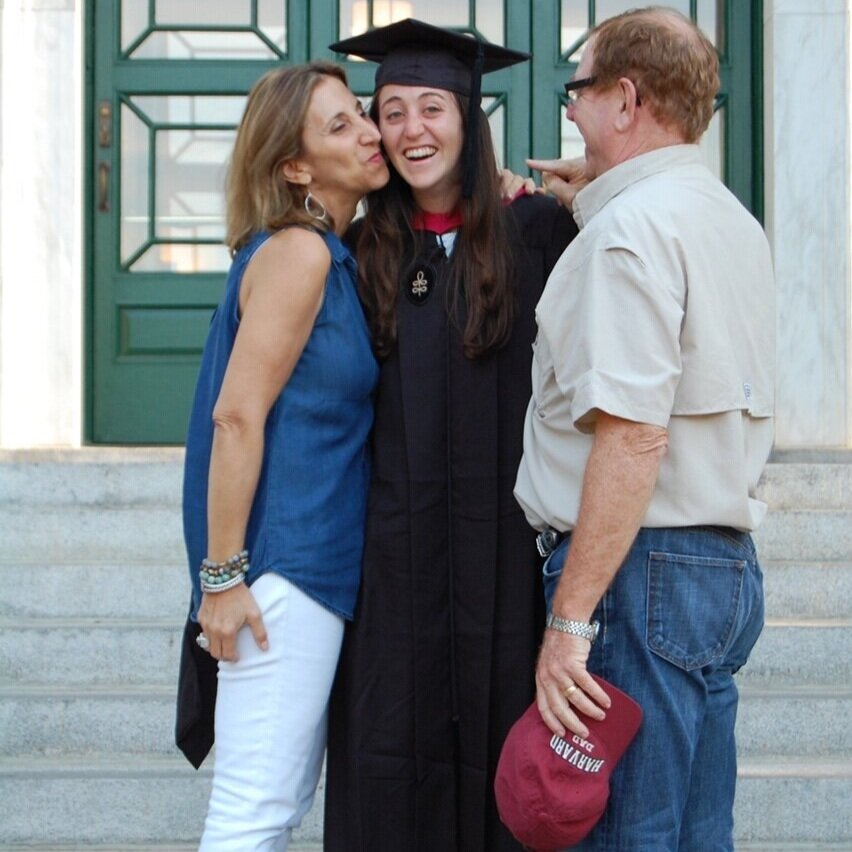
<point x="545" y="542"/>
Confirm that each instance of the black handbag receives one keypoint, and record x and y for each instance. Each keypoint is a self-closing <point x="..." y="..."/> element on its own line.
<point x="196" y="697"/>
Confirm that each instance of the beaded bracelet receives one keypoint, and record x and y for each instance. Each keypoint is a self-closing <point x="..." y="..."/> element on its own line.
<point x="221" y="576"/>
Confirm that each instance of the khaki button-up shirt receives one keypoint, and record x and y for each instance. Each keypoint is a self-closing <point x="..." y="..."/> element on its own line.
<point x="661" y="311"/>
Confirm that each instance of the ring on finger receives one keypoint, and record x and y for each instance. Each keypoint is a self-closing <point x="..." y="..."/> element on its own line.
<point x="203" y="642"/>
<point x="569" y="690"/>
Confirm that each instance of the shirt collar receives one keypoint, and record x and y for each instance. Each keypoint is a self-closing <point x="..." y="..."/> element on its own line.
<point x="591" y="199"/>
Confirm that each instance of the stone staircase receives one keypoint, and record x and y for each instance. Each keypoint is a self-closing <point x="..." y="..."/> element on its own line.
<point x="93" y="595"/>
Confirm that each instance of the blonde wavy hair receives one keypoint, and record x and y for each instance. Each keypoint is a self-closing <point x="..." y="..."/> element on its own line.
<point x="270" y="133"/>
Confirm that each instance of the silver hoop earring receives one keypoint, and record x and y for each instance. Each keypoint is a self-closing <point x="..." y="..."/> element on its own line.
<point x="312" y="205"/>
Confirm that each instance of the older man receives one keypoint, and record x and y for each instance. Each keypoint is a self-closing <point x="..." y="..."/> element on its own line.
<point x="650" y="423"/>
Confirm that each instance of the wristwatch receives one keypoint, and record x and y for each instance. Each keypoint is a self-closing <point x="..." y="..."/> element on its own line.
<point x="575" y="628"/>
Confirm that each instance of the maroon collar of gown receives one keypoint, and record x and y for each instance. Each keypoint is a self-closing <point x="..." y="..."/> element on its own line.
<point x="437" y="223"/>
<point x="441" y="223"/>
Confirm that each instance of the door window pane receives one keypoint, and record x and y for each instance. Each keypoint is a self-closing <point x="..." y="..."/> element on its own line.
<point x="571" y="142"/>
<point x="217" y="12"/>
<point x="490" y="20"/>
<point x="489" y="14"/>
<point x="190" y="173"/>
<point x="711" y="19"/>
<point x="166" y="257"/>
<point x="574" y="23"/>
<point x="193" y="136"/>
<point x="135" y="216"/>
<point x="576" y="19"/>
<point x="713" y="144"/>
<point x="497" y="122"/>
<point x="609" y="8"/>
<point x="216" y="29"/>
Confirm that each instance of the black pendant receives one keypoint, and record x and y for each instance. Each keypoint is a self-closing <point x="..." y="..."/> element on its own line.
<point x="419" y="283"/>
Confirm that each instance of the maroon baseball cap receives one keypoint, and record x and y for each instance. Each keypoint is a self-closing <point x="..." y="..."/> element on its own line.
<point x="552" y="790"/>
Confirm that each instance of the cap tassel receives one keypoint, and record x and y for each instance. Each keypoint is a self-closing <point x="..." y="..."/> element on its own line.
<point x="473" y="121"/>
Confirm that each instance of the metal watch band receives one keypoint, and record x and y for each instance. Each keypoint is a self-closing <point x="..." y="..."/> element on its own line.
<point x="575" y="628"/>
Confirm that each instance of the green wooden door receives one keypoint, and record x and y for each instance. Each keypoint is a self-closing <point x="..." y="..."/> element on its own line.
<point x="167" y="85"/>
<point x="168" y="89"/>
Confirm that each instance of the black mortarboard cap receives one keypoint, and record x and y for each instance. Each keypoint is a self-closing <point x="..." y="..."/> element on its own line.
<point x="413" y="53"/>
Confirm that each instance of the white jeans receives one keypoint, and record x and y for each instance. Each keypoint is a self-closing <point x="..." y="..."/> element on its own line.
<point x="271" y="713"/>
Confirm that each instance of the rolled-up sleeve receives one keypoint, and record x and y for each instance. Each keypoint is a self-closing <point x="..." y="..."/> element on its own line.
<point x="615" y="340"/>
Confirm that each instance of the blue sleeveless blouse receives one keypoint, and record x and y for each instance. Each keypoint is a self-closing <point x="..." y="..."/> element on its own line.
<point x="307" y="519"/>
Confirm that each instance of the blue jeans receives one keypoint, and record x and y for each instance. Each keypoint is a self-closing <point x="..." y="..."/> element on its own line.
<point x="680" y="617"/>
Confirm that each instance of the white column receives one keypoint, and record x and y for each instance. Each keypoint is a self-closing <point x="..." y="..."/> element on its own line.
<point x="41" y="299"/>
<point x="807" y="161"/>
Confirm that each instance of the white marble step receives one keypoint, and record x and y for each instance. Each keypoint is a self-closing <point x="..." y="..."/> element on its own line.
<point x="810" y="535"/>
<point x="105" y="476"/>
<point x="153" y="475"/>
<point x="794" y="485"/>
<point x="145" y="589"/>
<point x="80" y="720"/>
<point x="807" y="589"/>
<point x="129" y="799"/>
<point x="149" y="800"/>
<point x="770" y="721"/>
<point x="783" y="846"/>
<point x="78" y="534"/>
<point x="800" y="652"/>
<point x="108" y="590"/>
<point x="804" y="799"/>
<point x="296" y="846"/>
<point x="791" y="652"/>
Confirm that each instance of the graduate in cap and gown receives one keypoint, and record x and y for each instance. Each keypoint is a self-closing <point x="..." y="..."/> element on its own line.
<point x="437" y="663"/>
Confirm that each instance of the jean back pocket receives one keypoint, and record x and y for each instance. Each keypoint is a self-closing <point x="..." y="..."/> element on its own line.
<point x="692" y="606"/>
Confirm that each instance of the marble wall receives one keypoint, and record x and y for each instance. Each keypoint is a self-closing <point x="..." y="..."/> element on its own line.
<point x="807" y="158"/>
<point x="808" y="218"/>
<point x="41" y="295"/>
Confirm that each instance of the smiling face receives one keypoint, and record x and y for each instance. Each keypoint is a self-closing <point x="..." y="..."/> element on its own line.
<point x="341" y="154"/>
<point x="423" y="137"/>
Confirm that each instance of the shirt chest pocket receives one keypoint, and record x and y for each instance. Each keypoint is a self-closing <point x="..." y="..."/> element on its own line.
<point x="545" y="390"/>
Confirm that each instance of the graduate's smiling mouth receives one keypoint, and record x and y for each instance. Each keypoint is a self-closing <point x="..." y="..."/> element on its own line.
<point x="421" y="153"/>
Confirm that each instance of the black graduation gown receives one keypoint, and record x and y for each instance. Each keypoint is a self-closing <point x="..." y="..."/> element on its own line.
<point x="439" y="661"/>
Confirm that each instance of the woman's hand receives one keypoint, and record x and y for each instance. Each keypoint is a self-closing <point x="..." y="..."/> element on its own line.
<point x="563" y="179"/>
<point x="221" y="616"/>
<point x="512" y="185"/>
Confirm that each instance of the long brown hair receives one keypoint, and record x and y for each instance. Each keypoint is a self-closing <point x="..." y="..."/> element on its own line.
<point x="481" y="262"/>
<point x="270" y="133"/>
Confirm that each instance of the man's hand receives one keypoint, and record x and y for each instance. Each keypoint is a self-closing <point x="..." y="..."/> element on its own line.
<point x="563" y="685"/>
<point x="562" y="178"/>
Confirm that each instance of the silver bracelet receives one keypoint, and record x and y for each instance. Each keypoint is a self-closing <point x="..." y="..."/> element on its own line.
<point x="215" y="588"/>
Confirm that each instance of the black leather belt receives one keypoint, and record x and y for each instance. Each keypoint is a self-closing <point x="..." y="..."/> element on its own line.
<point x="546" y="542"/>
